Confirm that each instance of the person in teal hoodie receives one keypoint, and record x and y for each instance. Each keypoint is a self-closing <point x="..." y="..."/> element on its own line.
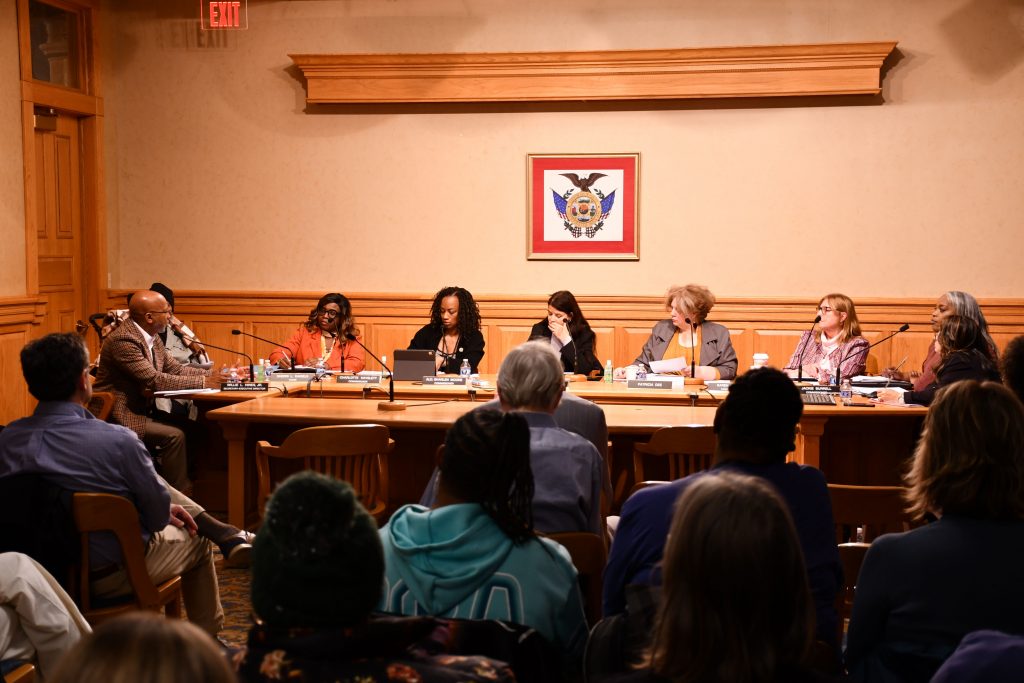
<point x="474" y="554"/>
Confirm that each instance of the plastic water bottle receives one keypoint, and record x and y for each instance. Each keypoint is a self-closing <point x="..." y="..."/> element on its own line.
<point x="608" y="371"/>
<point x="261" y="372"/>
<point x="465" y="371"/>
<point x="846" y="392"/>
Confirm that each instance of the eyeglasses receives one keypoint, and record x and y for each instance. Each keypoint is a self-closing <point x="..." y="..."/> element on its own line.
<point x="328" y="313"/>
<point x="825" y="309"/>
<point x="166" y="312"/>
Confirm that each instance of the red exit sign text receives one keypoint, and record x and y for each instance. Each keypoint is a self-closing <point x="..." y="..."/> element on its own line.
<point x="224" y="15"/>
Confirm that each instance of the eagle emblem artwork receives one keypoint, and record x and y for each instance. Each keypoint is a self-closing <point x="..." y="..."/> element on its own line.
<point x="582" y="206"/>
<point x="583" y="211"/>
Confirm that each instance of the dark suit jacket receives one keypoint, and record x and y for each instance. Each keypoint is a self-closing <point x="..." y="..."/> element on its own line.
<point x="578" y="355"/>
<point x="128" y="371"/>
<point x="471" y="346"/>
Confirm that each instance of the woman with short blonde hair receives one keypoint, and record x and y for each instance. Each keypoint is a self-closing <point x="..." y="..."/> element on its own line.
<point x="688" y="330"/>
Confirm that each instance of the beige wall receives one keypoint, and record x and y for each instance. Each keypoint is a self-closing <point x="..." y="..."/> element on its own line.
<point x="12" y="182"/>
<point x="217" y="177"/>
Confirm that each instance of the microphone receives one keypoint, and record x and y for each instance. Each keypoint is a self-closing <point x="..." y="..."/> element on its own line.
<point x="252" y="368"/>
<point x="390" y="404"/>
<point x="693" y="349"/>
<point x="839" y="370"/>
<point x="288" y="353"/>
<point x="800" y="358"/>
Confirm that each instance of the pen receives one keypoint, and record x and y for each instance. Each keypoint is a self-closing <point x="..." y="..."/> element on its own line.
<point x="896" y="369"/>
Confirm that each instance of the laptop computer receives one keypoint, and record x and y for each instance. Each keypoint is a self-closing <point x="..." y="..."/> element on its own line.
<point x="414" y="364"/>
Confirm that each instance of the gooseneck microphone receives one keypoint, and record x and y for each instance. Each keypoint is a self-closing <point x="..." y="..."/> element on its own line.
<point x="693" y="349"/>
<point x="803" y="347"/>
<point x="288" y="354"/>
<point x="391" y="403"/>
<point x="252" y="366"/>
<point x="839" y="370"/>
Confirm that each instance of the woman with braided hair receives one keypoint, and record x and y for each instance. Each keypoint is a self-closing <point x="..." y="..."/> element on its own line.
<point x="474" y="554"/>
<point x="453" y="331"/>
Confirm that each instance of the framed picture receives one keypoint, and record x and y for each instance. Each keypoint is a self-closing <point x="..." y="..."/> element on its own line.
<point x="582" y="207"/>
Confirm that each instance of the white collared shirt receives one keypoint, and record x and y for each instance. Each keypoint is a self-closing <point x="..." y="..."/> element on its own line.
<point x="149" y="338"/>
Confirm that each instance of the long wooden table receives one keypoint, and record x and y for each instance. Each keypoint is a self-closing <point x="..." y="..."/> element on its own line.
<point x="422" y="425"/>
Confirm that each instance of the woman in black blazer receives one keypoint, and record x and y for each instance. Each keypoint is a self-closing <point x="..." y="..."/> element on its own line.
<point x="569" y="333"/>
<point x="453" y="331"/>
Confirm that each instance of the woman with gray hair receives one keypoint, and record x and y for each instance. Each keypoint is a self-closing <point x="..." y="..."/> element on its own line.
<point x="951" y="303"/>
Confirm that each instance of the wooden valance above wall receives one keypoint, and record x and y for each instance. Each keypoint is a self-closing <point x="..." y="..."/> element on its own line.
<point x="760" y="71"/>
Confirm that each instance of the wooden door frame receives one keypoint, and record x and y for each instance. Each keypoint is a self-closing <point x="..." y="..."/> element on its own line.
<point x="87" y="106"/>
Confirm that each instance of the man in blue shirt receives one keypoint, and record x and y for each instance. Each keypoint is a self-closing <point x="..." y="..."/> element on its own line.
<point x="756" y="428"/>
<point x="66" y="445"/>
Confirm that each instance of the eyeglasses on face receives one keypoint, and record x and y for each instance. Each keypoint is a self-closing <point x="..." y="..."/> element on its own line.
<point x="328" y="313"/>
<point x="825" y="309"/>
<point x="165" y="312"/>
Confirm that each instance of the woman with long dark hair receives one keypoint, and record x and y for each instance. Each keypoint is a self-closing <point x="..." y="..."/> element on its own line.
<point x="453" y="331"/>
<point x="964" y="353"/>
<point x="327" y="335"/>
<point x="474" y="554"/>
<point x="569" y="333"/>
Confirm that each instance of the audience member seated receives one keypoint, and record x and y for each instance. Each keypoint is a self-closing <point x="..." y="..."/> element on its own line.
<point x="133" y="364"/>
<point x="950" y="303"/>
<point x="833" y="343"/>
<point x="1013" y="366"/>
<point x="328" y="335"/>
<point x="920" y="592"/>
<point x="318" y="568"/>
<point x="39" y="622"/>
<point x="64" y="443"/>
<point x="964" y="355"/>
<point x="756" y="428"/>
<point x="984" y="657"/>
<point x="143" y="647"/>
<point x="453" y="331"/>
<point x="568" y="472"/>
<point x="671" y="339"/>
<point x="735" y="604"/>
<point x="569" y="333"/>
<point x="474" y="554"/>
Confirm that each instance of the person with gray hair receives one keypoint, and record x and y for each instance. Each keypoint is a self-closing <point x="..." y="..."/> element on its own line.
<point x="567" y="469"/>
<point x="951" y="303"/>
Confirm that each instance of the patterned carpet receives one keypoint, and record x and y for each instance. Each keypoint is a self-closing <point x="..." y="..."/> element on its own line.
<point x="234" y="596"/>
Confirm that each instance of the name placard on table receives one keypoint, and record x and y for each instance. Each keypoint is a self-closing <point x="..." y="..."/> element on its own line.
<point x="445" y="380"/>
<point x="244" y="386"/>
<point x="649" y="384"/>
<point x="356" y="379"/>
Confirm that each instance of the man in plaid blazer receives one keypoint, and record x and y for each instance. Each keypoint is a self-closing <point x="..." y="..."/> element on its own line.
<point x="133" y="365"/>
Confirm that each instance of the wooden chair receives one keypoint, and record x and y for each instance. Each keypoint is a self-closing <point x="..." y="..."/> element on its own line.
<point x="101" y="404"/>
<point x="96" y="512"/>
<point x="357" y="454"/>
<point x="685" y="450"/>
<point x="862" y="514"/>
<point x="24" y="673"/>
<point x="589" y="554"/>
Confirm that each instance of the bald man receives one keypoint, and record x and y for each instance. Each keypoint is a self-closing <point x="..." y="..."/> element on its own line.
<point x="133" y="365"/>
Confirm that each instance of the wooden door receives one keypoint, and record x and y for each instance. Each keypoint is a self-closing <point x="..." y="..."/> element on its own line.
<point x="58" y="186"/>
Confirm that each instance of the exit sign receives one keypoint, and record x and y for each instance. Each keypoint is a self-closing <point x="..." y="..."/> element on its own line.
<point x="216" y="16"/>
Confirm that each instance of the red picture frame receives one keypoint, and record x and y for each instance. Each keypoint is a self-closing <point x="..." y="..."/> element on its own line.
<point x="582" y="207"/>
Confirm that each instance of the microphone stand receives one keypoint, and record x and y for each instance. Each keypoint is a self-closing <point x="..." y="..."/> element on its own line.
<point x="692" y="379"/>
<point x="800" y="358"/>
<point x="839" y="370"/>
<point x="391" y="403"/>
<point x="252" y="366"/>
<point x="288" y="354"/>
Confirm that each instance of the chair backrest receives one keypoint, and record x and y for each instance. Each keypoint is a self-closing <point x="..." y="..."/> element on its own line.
<point x="640" y="485"/>
<point x="23" y="673"/>
<point x="589" y="554"/>
<point x="357" y="454"/>
<point x="683" y="450"/>
<point x="101" y="404"/>
<point x="876" y="510"/>
<point x="96" y="512"/>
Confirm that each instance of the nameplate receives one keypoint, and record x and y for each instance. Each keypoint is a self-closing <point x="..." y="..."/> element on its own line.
<point x="649" y="384"/>
<point x="291" y="377"/>
<point x="355" y="379"/>
<point x="820" y="389"/>
<point x="718" y="384"/>
<point x="444" y="381"/>
<point x="244" y="386"/>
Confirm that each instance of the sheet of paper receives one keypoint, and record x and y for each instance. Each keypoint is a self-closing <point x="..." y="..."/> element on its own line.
<point x="670" y="365"/>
